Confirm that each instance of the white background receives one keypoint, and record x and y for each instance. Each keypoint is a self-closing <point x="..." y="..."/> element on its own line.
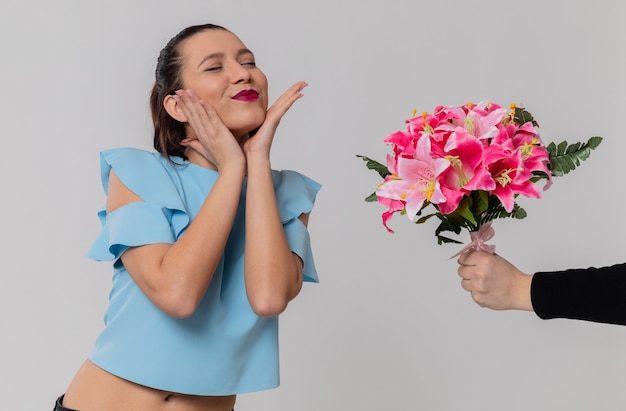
<point x="388" y="327"/>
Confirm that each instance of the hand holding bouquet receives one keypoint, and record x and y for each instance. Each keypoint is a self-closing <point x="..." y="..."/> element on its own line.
<point x="469" y="164"/>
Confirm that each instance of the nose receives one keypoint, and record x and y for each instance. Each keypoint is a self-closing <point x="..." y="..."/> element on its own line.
<point x="240" y="74"/>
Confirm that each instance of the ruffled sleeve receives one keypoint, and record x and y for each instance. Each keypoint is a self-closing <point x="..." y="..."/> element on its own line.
<point x="295" y="195"/>
<point x="160" y="218"/>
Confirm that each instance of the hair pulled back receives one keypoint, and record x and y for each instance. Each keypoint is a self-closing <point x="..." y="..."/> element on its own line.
<point x="168" y="132"/>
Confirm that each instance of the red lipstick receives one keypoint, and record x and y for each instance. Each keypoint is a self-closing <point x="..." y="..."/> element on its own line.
<point x="246" y="95"/>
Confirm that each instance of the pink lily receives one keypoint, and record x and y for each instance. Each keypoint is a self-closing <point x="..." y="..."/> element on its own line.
<point x="416" y="181"/>
<point x="393" y="206"/>
<point x="467" y="171"/>
<point x="534" y="153"/>
<point x="525" y="138"/>
<point x="512" y="178"/>
<point x="402" y="142"/>
<point x="482" y="120"/>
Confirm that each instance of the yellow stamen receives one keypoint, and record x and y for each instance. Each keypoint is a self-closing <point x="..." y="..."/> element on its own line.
<point x="426" y="126"/>
<point x="429" y="190"/>
<point x="512" y="115"/>
<point x="469" y="125"/>
<point x="414" y="113"/>
<point x="527" y="148"/>
<point x="457" y="164"/>
<point x="504" y="178"/>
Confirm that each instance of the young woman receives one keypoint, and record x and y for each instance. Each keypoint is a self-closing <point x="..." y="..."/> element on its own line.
<point x="208" y="243"/>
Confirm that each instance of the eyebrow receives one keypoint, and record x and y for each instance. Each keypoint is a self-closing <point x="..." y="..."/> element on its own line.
<point x="240" y="53"/>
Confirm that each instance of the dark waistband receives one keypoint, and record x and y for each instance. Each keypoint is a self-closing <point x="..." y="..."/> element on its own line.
<point x="60" y="407"/>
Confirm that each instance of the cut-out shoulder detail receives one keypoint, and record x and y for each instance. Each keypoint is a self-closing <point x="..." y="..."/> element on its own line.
<point x="304" y="218"/>
<point x="118" y="194"/>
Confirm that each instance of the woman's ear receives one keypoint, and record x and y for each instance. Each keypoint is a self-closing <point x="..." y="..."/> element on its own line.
<point x="172" y="106"/>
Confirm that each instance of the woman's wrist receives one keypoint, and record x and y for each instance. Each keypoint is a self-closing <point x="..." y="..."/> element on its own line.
<point x="233" y="170"/>
<point x="258" y="160"/>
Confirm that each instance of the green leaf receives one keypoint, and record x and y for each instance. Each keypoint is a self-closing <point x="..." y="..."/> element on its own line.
<point x="449" y="222"/>
<point x="566" y="157"/>
<point x="463" y="209"/>
<point x="381" y="169"/>
<point x="445" y="240"/>
<point x="594" y="142"/>
<point x="425" y="218"/>
<point x="371" y="198"/>
<point x="480" y="201"/>
<point x="573" y="147"/>
<point x="518" y="212"/>
<point x="522" y="116"/>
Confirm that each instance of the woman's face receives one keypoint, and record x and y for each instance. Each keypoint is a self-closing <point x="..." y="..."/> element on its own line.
<point x="219" y="68"/>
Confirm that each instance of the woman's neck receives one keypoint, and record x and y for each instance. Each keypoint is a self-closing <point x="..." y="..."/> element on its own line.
<point x="198" y="159"/>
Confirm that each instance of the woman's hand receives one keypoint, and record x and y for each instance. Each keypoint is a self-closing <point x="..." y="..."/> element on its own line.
<point x="212" y="139"/>
<point x="261" y="142"/>
<point x="494" y="282"/>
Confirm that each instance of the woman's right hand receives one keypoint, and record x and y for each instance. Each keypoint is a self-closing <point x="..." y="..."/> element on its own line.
<point x="261" y="142"/>
<point x="494" y="282"/>
<point x="212" y="139"/>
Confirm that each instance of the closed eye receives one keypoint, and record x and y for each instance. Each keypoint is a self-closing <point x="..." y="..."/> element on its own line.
<point x="214" y="68"/>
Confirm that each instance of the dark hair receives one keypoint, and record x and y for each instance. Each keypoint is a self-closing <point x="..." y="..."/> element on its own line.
<point x="168" y="132"/>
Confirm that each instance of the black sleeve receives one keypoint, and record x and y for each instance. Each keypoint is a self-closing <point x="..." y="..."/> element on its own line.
<point x="592" y="294"/>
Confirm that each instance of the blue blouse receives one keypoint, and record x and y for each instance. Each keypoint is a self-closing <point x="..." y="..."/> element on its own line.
<point x="224" y="347"/>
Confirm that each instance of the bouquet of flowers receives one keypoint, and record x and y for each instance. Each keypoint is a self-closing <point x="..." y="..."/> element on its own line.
<point x="469" y="164"/>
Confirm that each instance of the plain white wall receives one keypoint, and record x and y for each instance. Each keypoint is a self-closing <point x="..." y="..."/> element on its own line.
<point x="388" y="327"/>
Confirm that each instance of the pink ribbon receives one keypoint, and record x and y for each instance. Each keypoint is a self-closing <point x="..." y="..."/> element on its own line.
<point x="479" y="238"/>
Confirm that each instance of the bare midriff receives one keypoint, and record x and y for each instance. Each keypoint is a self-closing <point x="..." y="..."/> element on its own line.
<point x="94" y="389"/>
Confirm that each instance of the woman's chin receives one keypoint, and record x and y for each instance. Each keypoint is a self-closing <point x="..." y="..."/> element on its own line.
<point x="245" y="129"/>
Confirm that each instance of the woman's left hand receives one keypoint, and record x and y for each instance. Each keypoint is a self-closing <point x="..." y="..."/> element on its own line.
<point x="261" y="142"/>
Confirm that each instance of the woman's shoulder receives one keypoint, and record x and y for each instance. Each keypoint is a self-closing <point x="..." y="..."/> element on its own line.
<point x="140" y="170"/>
<point x="138" y="161"/>
<point x="132" y="154"/>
